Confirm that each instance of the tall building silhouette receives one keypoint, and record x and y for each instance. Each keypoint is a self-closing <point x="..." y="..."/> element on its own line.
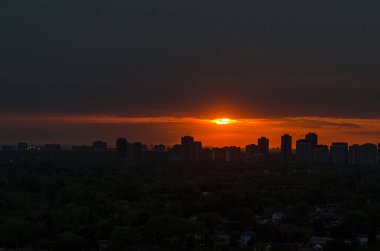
<point x="263" y="145"/>
<point x="219" y="154"/>
<point x="187" y="145"/>
<point x="206" y="154"/>
<point x="263" y="148"/>
<point x="367" y="154"/>
<point x="251" y="151"/>
<point x="313" y="139"/>
<point x="303" y="150"/>
<point x="339" y="152"/>
<point x="353" y="154"/>
<point x="121" y="147"/>
<point x="137" y="151"/>
<point x="175" y="153"/>
<point x="197" y="150"/>
<point x="286" y="147"/>
<point x="321" y="154"/>
<point x="233" y="153"/>
<point x="159" y="148"/>
<point x="99" y="146"/>
<point x="363" y="154"/>
<point x="159" y="152"/>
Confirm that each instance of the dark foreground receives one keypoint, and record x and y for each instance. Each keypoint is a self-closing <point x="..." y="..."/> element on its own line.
<point x="72" y="203"/>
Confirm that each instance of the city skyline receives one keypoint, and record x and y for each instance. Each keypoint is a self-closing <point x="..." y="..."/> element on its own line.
<point x="308" y="150"/>
<point x="262" y="144"/>
<point x="155" y="130"/>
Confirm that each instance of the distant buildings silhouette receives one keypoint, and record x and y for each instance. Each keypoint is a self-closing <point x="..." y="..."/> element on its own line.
<point x="121" y="147"/>
<point x="321" y="154"/>
<point x="307" y="150"/>
<point x="363" y="154"/>
<point x="286" y="147"/>
<point x="303" y="151"/>
<point x="138" y="151"/>
<point x="251" y="152"/>
<point x="159" y="148"/>
<point x="99" y="146"/>
<point x="339" y="152"/>
<point x="263" y="146"/>
<point x="313" y="139"/>
<point x="187" y="146"/>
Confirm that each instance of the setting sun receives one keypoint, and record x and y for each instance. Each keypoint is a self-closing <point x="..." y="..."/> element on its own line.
<point x="224" y="121"/>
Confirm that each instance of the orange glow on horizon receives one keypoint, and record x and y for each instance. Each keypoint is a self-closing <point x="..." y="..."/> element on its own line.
<point x="168" y="129"/>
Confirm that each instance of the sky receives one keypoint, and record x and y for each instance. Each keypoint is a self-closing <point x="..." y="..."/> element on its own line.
<point x="163" y="68"/>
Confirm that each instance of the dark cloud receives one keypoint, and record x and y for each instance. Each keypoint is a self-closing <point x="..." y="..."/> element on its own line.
<point x="317" y="124"/>
<point x="371" y="134"/>
<point x="257" y="58"/>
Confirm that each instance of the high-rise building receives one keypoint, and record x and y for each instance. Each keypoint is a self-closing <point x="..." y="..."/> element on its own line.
<point x="303" y="150"/>
<point x="218" y="154"/>
<point x="354" y="152"/>
<point x="251" y="151"/>
<point x="197" y="150"/>
<point x="313" y="139"/>
<point x="159" y="152"/>
<point x="175" y="153"/>
<point x="367" y="154"/>
<point x="144" y="150"/>
<point x="187" y="145"/>
<point x="233" y="153"/>
<point x="321" y="154"/>
<point x="286" y="147"/>
<point x="121" y="147"/>
<point x="159" y="148"/>
<point x="129" y="151"/>
<point x="99" y="146"/>
<point x="263" y="145"/>
<point x="263" y="148"/>
<point x="137" y="151"/>
<point x="206" y="154"/>
<point x="339" y="152"/>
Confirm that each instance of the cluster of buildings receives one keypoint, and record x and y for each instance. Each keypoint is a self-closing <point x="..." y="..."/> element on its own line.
<point x="189" y="149"/>
<point x="124" y="149"/>
<point x="307" y="150"/>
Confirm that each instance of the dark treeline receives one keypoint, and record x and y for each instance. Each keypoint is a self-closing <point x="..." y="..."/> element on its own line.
<point x="72" y="203"/>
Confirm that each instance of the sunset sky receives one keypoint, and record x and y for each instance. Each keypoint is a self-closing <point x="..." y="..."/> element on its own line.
<point x="154" y="130"/>
<point x="75" y="71"/>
